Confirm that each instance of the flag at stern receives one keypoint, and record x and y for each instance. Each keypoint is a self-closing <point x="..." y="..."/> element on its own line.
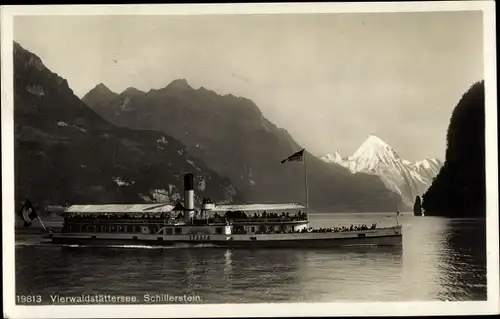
<point x="295" y="157"/>
<point x="27" y="213"/>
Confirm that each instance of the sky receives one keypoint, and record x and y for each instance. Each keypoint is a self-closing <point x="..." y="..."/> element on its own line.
<point x="330" y="80"/>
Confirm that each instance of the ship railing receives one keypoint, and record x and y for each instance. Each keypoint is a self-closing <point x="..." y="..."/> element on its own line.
<point x="265" y="220"/>
<point x="341" y="229"/>
<point x="267" y="232"/>
<point x="116" y="221"/>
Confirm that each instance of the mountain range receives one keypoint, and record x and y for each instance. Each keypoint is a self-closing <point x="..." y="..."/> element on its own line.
<point x="134" y="147"/>
<point x="374" y="156"/>
<point x="64" y="151"/>
<point x="233" y="137"/>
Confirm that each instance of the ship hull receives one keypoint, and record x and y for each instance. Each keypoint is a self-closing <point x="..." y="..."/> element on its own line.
<point x="383" y="237"/>
<point x="312" y="243"/>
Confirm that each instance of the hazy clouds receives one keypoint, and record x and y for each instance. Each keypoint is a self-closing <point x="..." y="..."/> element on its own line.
<point x="329" y="79"/>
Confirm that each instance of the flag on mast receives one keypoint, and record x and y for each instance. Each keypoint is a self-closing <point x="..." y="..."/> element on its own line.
<point x="295" y="157"/>
<point x="300" y="157"/>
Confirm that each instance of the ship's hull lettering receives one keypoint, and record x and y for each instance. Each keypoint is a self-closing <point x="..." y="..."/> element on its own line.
<point x="199" y="237"/>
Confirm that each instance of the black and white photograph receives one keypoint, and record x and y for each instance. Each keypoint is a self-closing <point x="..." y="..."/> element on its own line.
<point x="235" y="160"/>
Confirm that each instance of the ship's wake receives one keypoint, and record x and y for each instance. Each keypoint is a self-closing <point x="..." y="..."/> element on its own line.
<point x="138" y="246"/>
<point x="115" y="246"/>
<point x="49" y="244"/>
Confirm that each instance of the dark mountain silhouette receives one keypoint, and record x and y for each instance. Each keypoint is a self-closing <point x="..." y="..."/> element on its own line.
<point x="459" y="190"/>
<point x="417" y="207"/>
<point x="65" y="151"/>
<point x="233" y="137"/>
<point x="103" y="94"/>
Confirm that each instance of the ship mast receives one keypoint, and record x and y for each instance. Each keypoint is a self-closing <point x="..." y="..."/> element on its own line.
<point x="305" y="182"/>
<point x="300" y="156"/>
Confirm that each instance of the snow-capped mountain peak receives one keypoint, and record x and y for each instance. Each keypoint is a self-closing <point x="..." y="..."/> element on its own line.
<point x="428" y="163"/>
<point x="371" y="154"/>
<point x="404" y="177"/>
<point x="406" y="162"/>
<point x="429" y="167"/>
<point x="373" y="145"/>
<point x="332" y="157"/>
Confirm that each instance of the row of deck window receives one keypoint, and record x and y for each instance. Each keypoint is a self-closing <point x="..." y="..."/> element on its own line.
<point x="83" y="228"/>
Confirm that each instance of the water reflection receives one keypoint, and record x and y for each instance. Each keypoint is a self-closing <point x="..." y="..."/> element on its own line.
<point x="422" y="241"/>
<point x="228" y="262"/>
<point x="463" y="262"/>
<point x="440" y="259"/>
<point x="352" y="274"/>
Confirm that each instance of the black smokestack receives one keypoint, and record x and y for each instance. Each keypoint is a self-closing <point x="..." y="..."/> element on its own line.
<point x="188" y="182"/>
<point x="188" y="196"/>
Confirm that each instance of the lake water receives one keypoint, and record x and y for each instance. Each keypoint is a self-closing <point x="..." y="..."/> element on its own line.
<point x="441" y="259"/>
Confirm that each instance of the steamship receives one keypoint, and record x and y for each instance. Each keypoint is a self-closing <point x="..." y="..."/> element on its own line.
<point x="211" y="225"/>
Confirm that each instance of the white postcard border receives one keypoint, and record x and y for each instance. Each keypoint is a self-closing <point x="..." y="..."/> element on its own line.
<point x="246" y="310"/>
